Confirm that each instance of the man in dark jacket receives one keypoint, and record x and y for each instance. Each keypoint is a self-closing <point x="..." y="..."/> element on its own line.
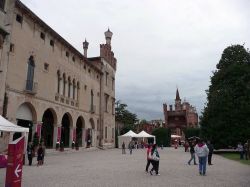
<point x="211" y="150"/>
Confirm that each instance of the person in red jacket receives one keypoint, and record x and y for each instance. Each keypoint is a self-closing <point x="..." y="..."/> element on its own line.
<point x="148" y="160"/>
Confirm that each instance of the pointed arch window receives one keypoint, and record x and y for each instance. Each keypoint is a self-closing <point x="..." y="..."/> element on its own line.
<point x="30" y="74"/>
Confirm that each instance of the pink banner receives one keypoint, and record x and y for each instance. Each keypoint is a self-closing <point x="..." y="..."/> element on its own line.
<point x="74" y="135"/>
<point x="58" y="134"/>
<point x="38" y="129"/>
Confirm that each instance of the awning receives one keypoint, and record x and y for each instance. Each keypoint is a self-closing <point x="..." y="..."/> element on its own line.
<point x="7" y="126"/>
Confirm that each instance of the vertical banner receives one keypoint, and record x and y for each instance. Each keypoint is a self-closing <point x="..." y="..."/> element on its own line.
<point x="15" y="163"/>
<point x="58" y="134"/>
<point x="74" y="134"/>
<point x="39" y="129"/>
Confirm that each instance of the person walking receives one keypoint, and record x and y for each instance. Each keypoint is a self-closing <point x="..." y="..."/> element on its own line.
<point x="241" y="150"/>
<point x="39" y="155"/>
<point x="30" y="151"/>
<point x="192" y="153"/>
<point x="123" y="148"/>
<point x="130" y="146"/>
<point x="211" y="150"/>
<point x="148" y="159"/>
<point x="202" y="151"/>
<point x="155" y="158"/>
<point x="43" y="147"/>
<point x="246" y="150"/>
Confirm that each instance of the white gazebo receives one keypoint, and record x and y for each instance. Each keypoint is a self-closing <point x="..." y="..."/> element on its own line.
<point x="126" y="138"/>
<point x="9" y="129"/>
<point x="144" y="134"/>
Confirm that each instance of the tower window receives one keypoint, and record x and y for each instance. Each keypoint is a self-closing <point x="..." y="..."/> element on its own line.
<point x="46" y="66"/>
<point x="19" y="18"/>
<point x="12" y="47"/>
<point x="42" y="36"/>
<point x="67" y="54"/>
<point x="51" y="43"/>
<point x="73" y="59"/>
<point x="2" y="3"/>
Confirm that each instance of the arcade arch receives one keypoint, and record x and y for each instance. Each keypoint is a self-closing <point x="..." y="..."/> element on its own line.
<point x="49" y="119"/>
<point x="25" y="116"/>
<point x="65" y="131"/>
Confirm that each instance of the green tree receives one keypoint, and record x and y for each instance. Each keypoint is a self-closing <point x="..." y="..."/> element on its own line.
<point x="225" y="119"/>
<point x="125" y="117"/>
<point x="163" y="136"/>
<point x="189" y="132"/>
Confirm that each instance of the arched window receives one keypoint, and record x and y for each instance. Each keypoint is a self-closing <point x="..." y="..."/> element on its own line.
<point x="69" y="86"/>
<point x="92" y="98"/>
<point x="64" y="84"/>
<point x="58" y="81"/>
<point x="30" y="73"/>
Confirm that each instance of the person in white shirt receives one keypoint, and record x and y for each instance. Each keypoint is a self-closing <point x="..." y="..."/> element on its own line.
<point x="202" y="151"/>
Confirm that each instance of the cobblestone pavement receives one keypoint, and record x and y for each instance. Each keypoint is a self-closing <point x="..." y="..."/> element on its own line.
<point x="109" y="168"/>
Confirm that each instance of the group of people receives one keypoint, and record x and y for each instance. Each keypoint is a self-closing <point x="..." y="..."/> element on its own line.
<point x="243" y="150"/>
<point x="40" y="153"/>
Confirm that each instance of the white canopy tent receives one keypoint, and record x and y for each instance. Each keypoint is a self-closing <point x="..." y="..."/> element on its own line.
<point x="143" y="135"/>
<point x="126" y="138"/>
<point x="8" y="127"/>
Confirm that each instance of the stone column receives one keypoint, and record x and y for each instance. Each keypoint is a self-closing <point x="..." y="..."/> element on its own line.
<point x="83" y="137"/>
<point x="54" y="136"/>
<point x="66" y="89"/>
<point x="61" y="86"/>
<point x="71" y="91"/>
<point x="70" y="135"/>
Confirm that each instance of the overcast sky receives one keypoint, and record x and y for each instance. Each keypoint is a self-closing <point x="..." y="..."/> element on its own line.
<point x="159" y="44"/>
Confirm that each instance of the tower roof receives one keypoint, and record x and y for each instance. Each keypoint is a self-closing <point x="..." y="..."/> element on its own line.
<point x="177" y="95"/>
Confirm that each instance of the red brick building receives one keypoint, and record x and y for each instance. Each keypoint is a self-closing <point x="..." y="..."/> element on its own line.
<point x="182" y="116"/>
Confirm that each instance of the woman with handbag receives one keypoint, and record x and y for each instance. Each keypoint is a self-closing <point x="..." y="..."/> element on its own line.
<point x="155" y="158"/>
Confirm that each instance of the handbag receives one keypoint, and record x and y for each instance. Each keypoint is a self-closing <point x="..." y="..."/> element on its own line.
<point x="155" y="157"/>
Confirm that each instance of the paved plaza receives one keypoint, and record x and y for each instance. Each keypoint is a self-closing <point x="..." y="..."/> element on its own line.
<point x="109" y="168"/>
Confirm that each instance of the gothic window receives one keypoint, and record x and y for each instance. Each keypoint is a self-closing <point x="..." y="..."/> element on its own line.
<point x="2" y="3"/>
<point x="92" y="99"/>
<point x="106" y="132"/>
<point x="106" y="102"/>
<point x="64" y="84"/>
<point x="78" y="89"/>
<point x="30" y="73"/>
<point x="58" y="82"/>
<point x="113" y="83"/>
<point x="107" y="78"/>
<point x="69" y="86"/>
<point x="74" y="89"/>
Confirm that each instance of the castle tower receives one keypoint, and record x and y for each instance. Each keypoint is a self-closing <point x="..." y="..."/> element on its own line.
<point x="177" y="101"/>
<point x="108" y="36"/>
<point x="85" y="47"/>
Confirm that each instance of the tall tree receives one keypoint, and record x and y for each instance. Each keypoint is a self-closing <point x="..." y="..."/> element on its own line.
<point x="225" y="119"/>
<point x="125" y="117"/>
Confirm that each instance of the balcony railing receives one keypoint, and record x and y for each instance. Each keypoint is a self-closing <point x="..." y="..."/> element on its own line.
<point x="92" y="109"/>
<point x="31" y="87"/>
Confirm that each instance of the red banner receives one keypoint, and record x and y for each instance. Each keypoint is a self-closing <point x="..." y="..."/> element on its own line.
<point x="38" y="129"/>
<point x="74" y="134"/>
<point x="15" y="163"/>
<point x="58" y="134"/>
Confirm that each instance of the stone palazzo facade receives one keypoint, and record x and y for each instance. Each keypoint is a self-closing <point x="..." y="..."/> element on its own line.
<point x="182" y="116"/>
<point x="49" y="86"/>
